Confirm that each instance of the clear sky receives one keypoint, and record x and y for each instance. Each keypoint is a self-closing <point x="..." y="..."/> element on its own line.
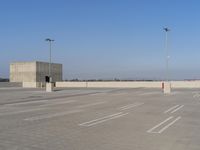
<point x="103" y="38"/>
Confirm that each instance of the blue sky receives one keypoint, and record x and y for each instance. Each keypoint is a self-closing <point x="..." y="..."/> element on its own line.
<point x="103" y="38"/>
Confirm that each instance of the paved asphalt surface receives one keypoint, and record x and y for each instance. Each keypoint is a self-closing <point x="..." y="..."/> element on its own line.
<point x="99" y="119"/>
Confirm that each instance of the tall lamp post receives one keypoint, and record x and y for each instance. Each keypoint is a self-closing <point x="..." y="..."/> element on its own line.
<point x="50" y="43"/>
<point x="167" y="53"/>
<point x="167" y="85"/>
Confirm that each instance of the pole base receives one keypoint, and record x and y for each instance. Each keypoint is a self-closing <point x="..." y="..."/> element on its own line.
<point x="167" y="88"/>
<point x="49" y="87"/>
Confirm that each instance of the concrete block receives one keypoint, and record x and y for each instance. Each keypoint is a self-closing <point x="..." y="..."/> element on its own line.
<point x="49" y="87"/>
<point x="34" y="71"/>
<point x="167" y="88"/>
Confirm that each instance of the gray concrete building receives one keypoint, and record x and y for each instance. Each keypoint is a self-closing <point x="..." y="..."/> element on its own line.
<point x="34" y="71"/>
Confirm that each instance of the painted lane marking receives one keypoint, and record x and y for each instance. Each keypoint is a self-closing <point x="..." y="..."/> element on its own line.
<point x="131" y="106"/>
<point x="127" y="105"/>
<point x="118" y="116"/>
<point x="170" y="124"/>
<point x="21" y="111"/>
<point x="92" y="104"/>
<point x="44" y="108"/>
<point x="97" y="94"/>
<point x="103" y="119"/>
<point x="177" y="109"/>
<point x="149" y="93"/>
<point x="151" y="130"/>
<point x="170" y="109"/>
<point x="48" y="116"/>
<point x="196" y="95"/>
<point x="165" y="127"/>
<point x="116" y="94"/>
<point x="28" y="102"/>
<point x="59" y="103"/>
<point x="85" y="123"/>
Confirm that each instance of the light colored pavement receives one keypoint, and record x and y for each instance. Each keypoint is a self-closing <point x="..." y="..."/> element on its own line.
<point x="99" y="119"/>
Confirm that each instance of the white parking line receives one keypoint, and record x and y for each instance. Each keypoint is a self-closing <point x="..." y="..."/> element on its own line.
<point x="85" y="123"/>
<point x="196" y="95"/>
<point x="59" y="103"/>
<point x="171" y="108"/>
<point x="118" y="116"/>
<point x="131" y="106"/>
<point x="151" y="130"/>
<point x="116" y="94"/>
<point x="96" y="94"/>
<point x="165" y="127"/>
<point x="170" y="124"/>
<point x="48" y="116"/>
<point x="92" y="104"/>
<point x="21" y="111"/>
<point x="27" y="102"/>
<point x="177" y="109"/>
<point x="103" y="119"/>
<point x="149" y="93"/>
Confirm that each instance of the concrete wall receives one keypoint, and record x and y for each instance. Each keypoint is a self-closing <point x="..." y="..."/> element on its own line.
<point x="125" y="84"/>
<point x="185" y="84"/>
<point x="71" y="84"/>
<point x="33" y="84"/>
<point x="42" y="70"/>
<point x="157" y="84"/>
<point x="23" y="72"/>
<point x="34" y="71"/>
<point x="110" y="84"/>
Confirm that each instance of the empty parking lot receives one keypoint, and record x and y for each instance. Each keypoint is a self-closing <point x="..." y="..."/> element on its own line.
<point x="99" y="119"/>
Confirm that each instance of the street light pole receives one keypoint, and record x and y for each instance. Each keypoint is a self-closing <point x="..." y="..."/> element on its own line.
<point x="167" y="53"/>
<point x="50" y="43"/>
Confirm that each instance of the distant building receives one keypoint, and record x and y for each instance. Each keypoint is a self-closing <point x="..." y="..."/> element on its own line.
<point x="34" y="71"/>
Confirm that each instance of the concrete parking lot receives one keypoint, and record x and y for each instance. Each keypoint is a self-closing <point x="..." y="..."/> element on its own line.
<point x="99" y="119"/>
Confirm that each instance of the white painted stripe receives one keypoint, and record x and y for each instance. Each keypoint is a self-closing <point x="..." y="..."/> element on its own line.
<point x="149" y="93"/>
<point x="48" y="116"/>
<point x="92" y="104"/>
<point x="171" y="108"/>
<point x="170" y="124"/>
<point x="195" y="92"/>
<point x="119" y="94"/>
<point x="101" y="121"/>
<point x="177" y="109"/>
<point x="59" y="103"/>
<point x="97" y="94"/>
<point x="196" y="95"/>
<point x="10" y="88"/>
<point x="85" y="123"/>
<point x="128" y="105"/>
<point x="21" y="111"/>
<point x="27" y="102"/>
<point x="136" y="105"/>
<point x="150" y="130"/>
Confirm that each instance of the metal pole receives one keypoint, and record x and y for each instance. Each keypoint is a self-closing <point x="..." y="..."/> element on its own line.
<point x="167" y="57"/>
<point x="50" y="44"/>
<point x="50" y="61"/>
<point x="167" y="53"/>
